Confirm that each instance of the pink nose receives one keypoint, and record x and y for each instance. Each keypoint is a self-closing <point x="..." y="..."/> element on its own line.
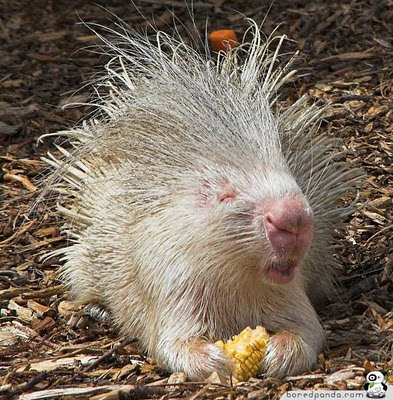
<point x="288" y="224"/>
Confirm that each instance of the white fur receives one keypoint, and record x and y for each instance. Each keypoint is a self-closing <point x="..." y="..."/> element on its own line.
<point x="177" y="274"/>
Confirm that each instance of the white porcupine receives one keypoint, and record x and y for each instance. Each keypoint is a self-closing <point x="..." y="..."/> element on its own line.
<point x="199" y="207"/>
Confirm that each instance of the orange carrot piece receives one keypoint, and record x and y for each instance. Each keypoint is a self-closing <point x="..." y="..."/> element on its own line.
<point x="222" y="39"/>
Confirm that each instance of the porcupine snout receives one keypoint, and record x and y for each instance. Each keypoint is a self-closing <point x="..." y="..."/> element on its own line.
<point x="288" y="225"/>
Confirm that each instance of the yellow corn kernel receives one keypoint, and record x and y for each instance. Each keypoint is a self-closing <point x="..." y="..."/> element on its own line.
<point x="246" y="350"/>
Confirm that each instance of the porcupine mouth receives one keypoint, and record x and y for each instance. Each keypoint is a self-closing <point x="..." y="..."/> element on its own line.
<point x="280" y="272"/>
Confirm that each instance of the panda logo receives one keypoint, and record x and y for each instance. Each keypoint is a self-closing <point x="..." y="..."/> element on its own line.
<point x="375" y="385"/>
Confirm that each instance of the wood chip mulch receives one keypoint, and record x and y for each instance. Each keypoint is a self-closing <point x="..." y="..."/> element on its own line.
<point x="50" y="350"/>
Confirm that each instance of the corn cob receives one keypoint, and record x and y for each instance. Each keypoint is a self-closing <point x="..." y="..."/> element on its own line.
<point x="246" y="350"/>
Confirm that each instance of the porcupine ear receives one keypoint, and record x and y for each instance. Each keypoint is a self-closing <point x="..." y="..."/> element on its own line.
<point x="215" y="190"/>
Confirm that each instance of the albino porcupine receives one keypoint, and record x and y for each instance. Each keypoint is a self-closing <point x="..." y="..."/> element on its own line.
<point x="199" y="206"/>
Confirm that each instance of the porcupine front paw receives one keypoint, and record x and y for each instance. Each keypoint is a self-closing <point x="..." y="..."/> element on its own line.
<point x="288" y="354"/>
<point x="199" y="359"/>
